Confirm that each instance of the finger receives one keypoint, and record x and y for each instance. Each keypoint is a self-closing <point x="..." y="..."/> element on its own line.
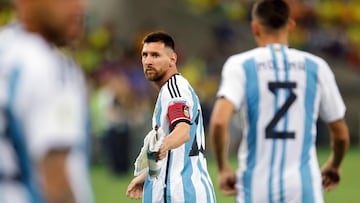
<point x="133" y="195"/>
<point x="330" y="186"/>
<point x="137" y="194"/>
<point x="130" y="194"/>
<point x="228" y="191"/>
<point x="325" y="181"/>
<point x="128" y="191"/>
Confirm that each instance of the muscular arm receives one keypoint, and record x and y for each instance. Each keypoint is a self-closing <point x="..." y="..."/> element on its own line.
<point x="55" y="182"/>
<point x="339" y="142"/>
<point x="339" y="146"/>
<point x="219" y="134"/>
<point x="176" y="138"/>
<point x="219" y="131"/>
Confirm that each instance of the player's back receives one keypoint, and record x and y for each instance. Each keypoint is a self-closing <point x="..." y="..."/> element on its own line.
<point x="282" y="100"/>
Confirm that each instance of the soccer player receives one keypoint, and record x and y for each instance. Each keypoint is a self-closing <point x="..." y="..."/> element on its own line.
<point x="43" y="106"/>
<point x="282" y="92"/>
<point x="183" y="176"/>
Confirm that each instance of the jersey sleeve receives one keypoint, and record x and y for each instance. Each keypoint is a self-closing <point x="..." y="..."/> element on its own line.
<point x="178" y="100"/>
<point x="332" y="106"/>
<point x="54" y="111"/>
<point x="178" y="111"/>
<point x="231" y="84"/>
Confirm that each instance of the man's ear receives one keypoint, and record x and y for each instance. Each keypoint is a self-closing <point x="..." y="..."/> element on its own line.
<point x="291" y="25"/>
<point x="255" y="27"/>
<point x="173" y="59"/>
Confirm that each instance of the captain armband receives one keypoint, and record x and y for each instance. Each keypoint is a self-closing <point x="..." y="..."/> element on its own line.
<point x="178" y="112"/>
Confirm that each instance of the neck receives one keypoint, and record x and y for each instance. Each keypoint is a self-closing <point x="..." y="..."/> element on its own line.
<point x="172" y="71"/>
<point x="273" y="39"/>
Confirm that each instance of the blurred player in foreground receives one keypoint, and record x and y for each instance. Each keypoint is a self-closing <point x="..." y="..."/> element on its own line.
<point x="183" y="176"/>
<point x="43" y="106"/>
<point x="282" y="92"/>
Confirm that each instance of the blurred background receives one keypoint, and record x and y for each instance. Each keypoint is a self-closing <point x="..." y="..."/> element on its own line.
<point x="206" y="32"/>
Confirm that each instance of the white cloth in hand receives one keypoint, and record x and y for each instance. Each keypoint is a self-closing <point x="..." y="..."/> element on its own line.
<point x="145" y="161"/>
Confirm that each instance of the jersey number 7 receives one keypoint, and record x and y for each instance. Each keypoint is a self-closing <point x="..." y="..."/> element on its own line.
<point x="270" y="130"/>
<point x="195" y="149"/>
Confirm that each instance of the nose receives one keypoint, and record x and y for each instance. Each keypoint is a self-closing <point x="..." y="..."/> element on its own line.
<point x="146" y="60"/>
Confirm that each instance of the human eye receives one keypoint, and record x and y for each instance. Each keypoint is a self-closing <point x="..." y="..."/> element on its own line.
<point x="155" y="55"/>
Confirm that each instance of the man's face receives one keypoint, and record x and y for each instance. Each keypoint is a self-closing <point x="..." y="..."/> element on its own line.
<point x="156" y="60"/>
<point x="60" y="21"/>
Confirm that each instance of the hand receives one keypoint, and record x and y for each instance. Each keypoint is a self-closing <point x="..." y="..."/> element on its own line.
<point x="227" y="180"/>
<point x="136" y="187"/>
<point x="163" y="151"/>
<point x="330" y="177"/>
<point x="158" y="149"/>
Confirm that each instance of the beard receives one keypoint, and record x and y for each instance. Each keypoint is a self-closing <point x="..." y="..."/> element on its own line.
<point x="153" y="75"/>
<point x="62" y="35"/>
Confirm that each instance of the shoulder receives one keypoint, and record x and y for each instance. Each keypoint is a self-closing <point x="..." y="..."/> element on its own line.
<point x="308" y="56"/>
<point x="177" y="86"/>
<point x="253" y="54"/>
<point x="28" y="52"/>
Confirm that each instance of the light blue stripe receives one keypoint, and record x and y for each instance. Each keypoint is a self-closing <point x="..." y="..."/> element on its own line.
<point x="148" y="185"/>
<point x="16" y="133"/>
<point x="159" y="109"/>
<point x="1" y="193"/>
<point x="205" y="172"/>
<point x="204" y="182"/>
<point x="188" y="186"/>
<point x="311" y="69"/>
<point x="273" y="152"/>
<point x="205" y="179"/>
<point x="167" y="196"/>
<point x="283" y="153"/>
<point x="168" y="185"/>
<point x="252" y="96"/>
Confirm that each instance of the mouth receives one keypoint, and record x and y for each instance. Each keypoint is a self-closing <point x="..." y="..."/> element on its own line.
<point x="149" y="70"/>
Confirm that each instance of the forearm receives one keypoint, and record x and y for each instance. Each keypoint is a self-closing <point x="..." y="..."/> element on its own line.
<point x="179" y="136"/>
<point x="339" y="149"/>
<point x="142" y="177"/>
<point x="220" y="142"/>
<point x="219" y="131"/>
<point x="339" y="142"/>
<point x="55" y="181"/>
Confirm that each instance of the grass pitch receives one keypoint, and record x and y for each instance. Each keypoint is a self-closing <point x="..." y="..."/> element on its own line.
<point x="111" y="189"/>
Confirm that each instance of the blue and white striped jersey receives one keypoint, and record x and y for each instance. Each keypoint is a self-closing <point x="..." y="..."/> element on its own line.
<point x="282" y="92"/>
<point x="184" y="176"/>
<point x="43" y="106"/>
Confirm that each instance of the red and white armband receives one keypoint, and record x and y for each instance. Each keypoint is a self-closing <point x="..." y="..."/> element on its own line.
<point x="178" y="111"/>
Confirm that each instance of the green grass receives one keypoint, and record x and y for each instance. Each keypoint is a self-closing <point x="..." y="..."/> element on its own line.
<point x="111" y="189"/>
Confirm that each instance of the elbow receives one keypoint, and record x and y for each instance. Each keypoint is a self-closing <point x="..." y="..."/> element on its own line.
<point x="340" y="134"/>
<point x="186" y="137"/>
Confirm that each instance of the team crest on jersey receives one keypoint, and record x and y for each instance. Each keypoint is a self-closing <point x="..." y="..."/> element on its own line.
<point x="186" y="111"/>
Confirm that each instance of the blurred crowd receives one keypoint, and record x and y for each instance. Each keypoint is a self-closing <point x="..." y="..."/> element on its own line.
<point x="121" y="99"/>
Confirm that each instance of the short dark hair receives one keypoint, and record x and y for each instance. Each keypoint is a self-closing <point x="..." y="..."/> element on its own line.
<point x="160" y="36"/>
<point x="273" y="14"/>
